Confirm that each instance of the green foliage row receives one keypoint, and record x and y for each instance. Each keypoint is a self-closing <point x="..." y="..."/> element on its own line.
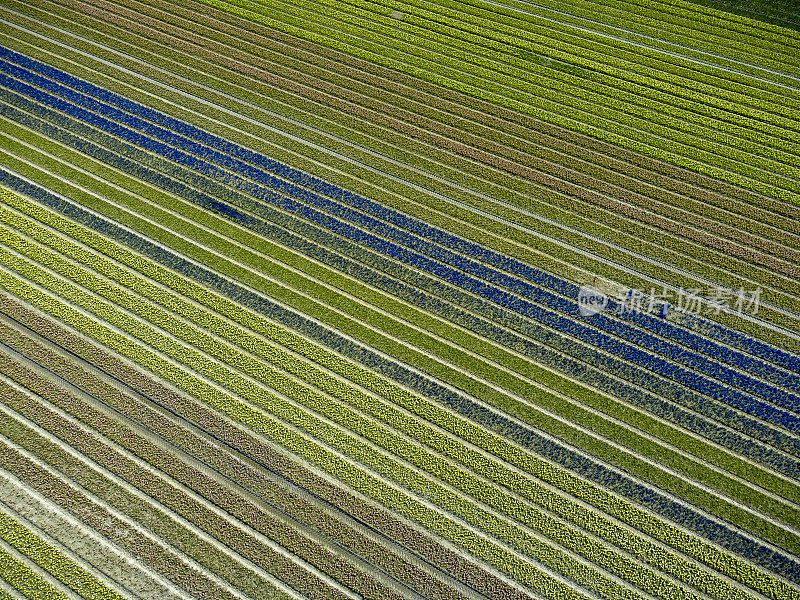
<point x="250" y="445"/>
<point x="620" y="434"/>
<point x="314" y="426"/>
<point x="254" y="415"/>
<point x="415" y="106"/>
<point x="571" y="27"/>
<point x="385" y="438"/>
<point x="723" y="43"/>
<point x="26" y="580"/>
<point x="576" y="72"/>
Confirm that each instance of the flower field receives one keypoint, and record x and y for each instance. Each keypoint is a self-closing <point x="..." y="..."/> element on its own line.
<point x="454" y="300"/>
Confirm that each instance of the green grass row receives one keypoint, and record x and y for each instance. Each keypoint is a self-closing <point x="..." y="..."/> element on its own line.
<point x="608" y="109"/>
<point x="406" y="424"/>
<point x="570" y="411"/>
<point x="471" y="433"/>
<point x="592" y="264"/>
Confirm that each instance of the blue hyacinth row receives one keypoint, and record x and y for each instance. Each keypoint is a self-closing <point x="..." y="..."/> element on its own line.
<point x="558" y="322"/>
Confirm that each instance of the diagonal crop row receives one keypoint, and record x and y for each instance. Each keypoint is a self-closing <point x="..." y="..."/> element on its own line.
<point x="743" y="252"/>
<point x="436" y="107"/>
<point x="399" y="218"/>
<point x="356" y="475"/>
<point x="499" y="54"/>
<point x="24" y="579"/>
<point x="656" y="25"/>
<point x="409" y="478"/>
<point x="158" y="480"/>
<point x="608" y="123"/>
<point x="121" y="567"/>
<point x="486" y="493"/>
<point x="53" y="561"/>
<point x="688" y="78"/>
<point x="255" y="480"/>
<point x="413" y="126"/>
<point x="456" y="277"/>
<point x="646" y="359"/>
<point x="307" y="373"/>
<point x="109" y="507"/>
<point x="440" y="48"/>
<point x="741" y="42"/>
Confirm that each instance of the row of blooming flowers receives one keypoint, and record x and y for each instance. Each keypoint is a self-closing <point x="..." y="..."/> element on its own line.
<point x="467" y="265"/>
<point x="746" y="446"/>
